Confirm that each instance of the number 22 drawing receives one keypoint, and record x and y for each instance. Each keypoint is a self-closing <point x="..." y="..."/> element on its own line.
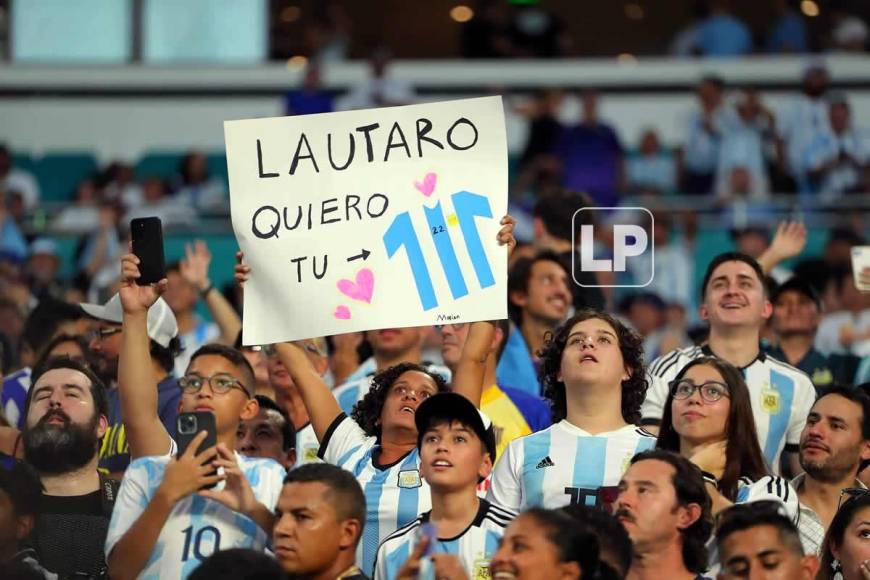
<point x="401" y="233"/>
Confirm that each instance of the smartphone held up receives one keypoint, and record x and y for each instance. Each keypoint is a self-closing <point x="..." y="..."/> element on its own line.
<point x="146" y="235"/>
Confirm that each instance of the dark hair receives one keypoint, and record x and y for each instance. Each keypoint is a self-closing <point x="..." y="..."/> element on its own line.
<point x="714" y="80"/>
<point x="630" y="345"/>
<point x="557" y="208"/>
<point x="165" y="355"/>
<point x="689" y="488"/>
<point x="574" y="541"/>
<point x="519" y="276"/>
<point x="232" y="355"/>
<point x="367" y="411"/>
<point x="80" y="341"/>
<point x="836" y="531"/>
<point x="505" y="325"/>
<point x="98" y="389"/>
<point x="743" y="455"/>
<point x="288" y="432"/>
<point x="239" y="564"/>
<point x="732" y="257"/>
<point x="613" y="540"/>
<point x="750" y="515"/>
<point x="44" y="321"/>
<point x="21" y="483"/>
<point x="857" y="396"/>
<point x="346" y="495"/>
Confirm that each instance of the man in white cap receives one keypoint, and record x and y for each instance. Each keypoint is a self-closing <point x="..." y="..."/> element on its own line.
<point x="43" y="267"/>
<point x="163" y="348"/>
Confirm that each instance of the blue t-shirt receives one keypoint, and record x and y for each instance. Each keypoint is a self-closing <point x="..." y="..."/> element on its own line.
<point x="115" y="451"/>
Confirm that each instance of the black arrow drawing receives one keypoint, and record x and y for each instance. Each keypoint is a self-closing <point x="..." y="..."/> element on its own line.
<point x="364" y="255"/>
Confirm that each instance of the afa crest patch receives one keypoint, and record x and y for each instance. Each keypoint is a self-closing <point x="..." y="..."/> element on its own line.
<point x="410" y="478"/>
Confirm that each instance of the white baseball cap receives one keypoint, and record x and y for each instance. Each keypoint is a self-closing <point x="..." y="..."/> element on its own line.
<point x="162" y="327"/>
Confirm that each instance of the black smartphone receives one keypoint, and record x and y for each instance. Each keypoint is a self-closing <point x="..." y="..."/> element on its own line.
<point x="189" y="424"/>
<point x="147" y="237"/>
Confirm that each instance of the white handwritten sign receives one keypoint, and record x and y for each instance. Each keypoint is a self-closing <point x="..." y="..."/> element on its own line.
<point x="370" y="219"/>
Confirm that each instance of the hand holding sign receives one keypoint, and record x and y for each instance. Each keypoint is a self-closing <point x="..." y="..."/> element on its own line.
<point x="370" y="219"/>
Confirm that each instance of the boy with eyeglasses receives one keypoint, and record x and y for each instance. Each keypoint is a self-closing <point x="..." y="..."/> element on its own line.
<point x="165" y="520"/>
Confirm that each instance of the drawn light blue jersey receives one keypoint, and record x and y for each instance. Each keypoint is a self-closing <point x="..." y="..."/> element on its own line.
<point x="563" y="465"/>
<point x="781" y="397"/>
<point x="474" y="547"/>
<point x="197" y="527"/>
<point x="351" y="391"/>
<point x="395" y="494"/>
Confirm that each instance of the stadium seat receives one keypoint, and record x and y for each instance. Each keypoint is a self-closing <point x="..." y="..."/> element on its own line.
<point x="23" y="161"/>
<point x="60" y="173"/>
<point x="162" y="164"/>
<point x="217" y="166"/>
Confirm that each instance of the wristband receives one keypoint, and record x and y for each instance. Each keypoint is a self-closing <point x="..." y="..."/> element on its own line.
<point x="209" y="288"/>
<point x="710" y="478"/>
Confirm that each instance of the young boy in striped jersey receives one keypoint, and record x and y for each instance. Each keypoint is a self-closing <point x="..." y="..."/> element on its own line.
<point x="457" y="449"/>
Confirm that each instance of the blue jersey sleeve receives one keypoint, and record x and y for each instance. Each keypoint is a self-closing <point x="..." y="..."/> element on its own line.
<point x="535" y="410"/>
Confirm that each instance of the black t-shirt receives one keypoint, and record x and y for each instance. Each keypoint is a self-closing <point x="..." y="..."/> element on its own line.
<point x="70" y="534"/>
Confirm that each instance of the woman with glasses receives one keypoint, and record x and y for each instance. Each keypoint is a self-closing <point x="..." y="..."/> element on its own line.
<point x="708" y="419"/>
<point x="846" y="550"/>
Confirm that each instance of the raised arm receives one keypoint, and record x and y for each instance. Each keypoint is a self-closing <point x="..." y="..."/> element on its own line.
<point x="194" y="269"/>
<point x="316" y="394"/>
<point x="789" y="241"/>
<point x="137" y="382"/>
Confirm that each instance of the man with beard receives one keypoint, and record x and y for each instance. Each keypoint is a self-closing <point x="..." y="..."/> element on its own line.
<point x="834" y="445"/>
<point x="163" y="346"/>
<point x="66" y="415"/>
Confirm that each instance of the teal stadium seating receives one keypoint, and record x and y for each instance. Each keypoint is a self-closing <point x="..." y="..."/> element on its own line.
<point x="59" y="174"/>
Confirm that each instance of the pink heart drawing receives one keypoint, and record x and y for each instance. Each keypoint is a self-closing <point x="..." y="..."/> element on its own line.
<point x="428" y="185"/>
<point x="342" y="312"/>
<point x="362" y="289"/>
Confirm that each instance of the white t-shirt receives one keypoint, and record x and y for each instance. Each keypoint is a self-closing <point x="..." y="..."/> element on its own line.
<point x="307" y="446"/>
<point x="197" y="527"/>
<point x="395" y="494"/>
<point x="781" y="397"/>
<point x="563" y="465"/>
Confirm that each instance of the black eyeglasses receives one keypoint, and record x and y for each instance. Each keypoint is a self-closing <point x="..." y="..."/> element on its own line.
<point x="103" y="333"/>
<point x="220" y="384"/>
<point x="711" y="391"/>
<point x="851" y="493"/>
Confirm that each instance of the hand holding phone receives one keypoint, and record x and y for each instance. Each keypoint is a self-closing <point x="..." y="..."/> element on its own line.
<point x="146" y="235"/>
<point x="189" y="427"/>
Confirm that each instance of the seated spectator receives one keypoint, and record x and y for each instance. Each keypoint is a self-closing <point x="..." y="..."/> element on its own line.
<point x="13" y="245"/>
<point x="653" y="168"/>
<point x="758" y="541"/>
<point x="846" y="331"/>
<point x="837" y="160"/>
<point x="97" y="261"/>
<point x="310" y="98"/>
<point x="156" y="203"/>
<point x="705" y="125"/>
<point x="788" y="33"/>
<point x="456" y="443"/>
<point x="82" y="216"/>
<point x="20" y="491"/>
<point x="722" y="34"/>
<point x="269" y="435"/>
<point x="197" y="189"/>
<point x="119" y="185"/>
<point x="743" y="195"/>
<point x="835" y="445"/>
<point x="616" y="550"/>
<point x="663" y="505"/>
<point x="844" y="552"/>
<point x="708" y="420"/>
<point x="43" y="269"/>
<point x="543" y="543"/>
<point x="239" y="564"/>
<point x="591" y="155"/>
<point x="19" y="180"/>
<point x="380" y="89"/>
<point x="319" y="522"/>
<point x="745" y="144"/>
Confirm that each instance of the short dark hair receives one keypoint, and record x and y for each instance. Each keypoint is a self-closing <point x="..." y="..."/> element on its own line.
<point x="165" y="355"/>
<point x="367" y="411"/>
<point x="574" y="541"/>
<point x="613" y="539"/>
<point x="837" y="530"/>
<point x="857" y="396"/>
<point x="288" y="431"/>
<point x="44" y="320"/>
<point x="732" y="257"/>
<point x="233" y="356"/>
<point x="521" y="273"/>
<point x="630" y="345"/>
<point x="745" y="516"/>
<point x="98" y="389"/>
<point x="346" y="494"/>
<point x="557" y="208"/>
<point x="238" y="563"/>
<point x="21" y="483"/>
<point x="689" y="488"/>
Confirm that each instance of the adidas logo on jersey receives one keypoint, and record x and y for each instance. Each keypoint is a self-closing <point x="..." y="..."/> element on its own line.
<point x="545" y="462"/>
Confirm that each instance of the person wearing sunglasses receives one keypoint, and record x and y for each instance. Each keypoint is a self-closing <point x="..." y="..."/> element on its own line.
<point x="759" y="540"/>
<point x="846" y="549"/>
<point x="708" y="420"/>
